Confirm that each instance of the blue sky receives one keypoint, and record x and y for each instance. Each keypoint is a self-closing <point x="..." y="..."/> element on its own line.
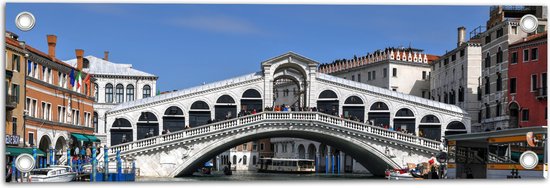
<point x="186" y="45"/>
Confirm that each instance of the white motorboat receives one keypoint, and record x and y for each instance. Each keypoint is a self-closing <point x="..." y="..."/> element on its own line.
<point x="53" y="174"/>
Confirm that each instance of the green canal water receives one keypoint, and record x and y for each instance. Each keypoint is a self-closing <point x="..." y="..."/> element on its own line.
<point x="255" y="176"/>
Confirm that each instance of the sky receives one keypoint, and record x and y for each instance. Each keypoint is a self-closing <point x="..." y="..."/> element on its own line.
<point x="187" y="45"/>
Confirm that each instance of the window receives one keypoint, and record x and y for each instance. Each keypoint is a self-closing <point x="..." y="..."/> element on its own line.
<point x="500" y="32"/>
<point x="146" y="91"/>
<point x="119" y="93"/>
<point x="109" y="93"/>
<point x="60" y="79"/>
<point x="487" y="85"/>
<point x="352" y="77"/>
<point x="254" y="147"/>
<point x="394" y="72"/>
<point x="15" y="92"/>
<point x="95" y="122"/>
<point x="499" y="55"/>
<point x="369" y="76"/>
<point x="525" y="115"/>
<point x="534" y="54"/>
<point x="244" y="147"/>
<point x="497" y="111"/>
<point x="14" y="126"/>
<point x="513" y="85"/>
<point x="514" y="30"/>
<point x="46" y="111"/>
<point x="525" y="55"/>
<point x="261" y="146"/>
<point x="96" y="90"/>
<point x="76" y="117"/>
<point x="487" y="111"/>
<point x="461" y="94"/>
<point x="462" y="53"/>
<point x="453" y="57"/>
<point x="31" y="139"/>
<point x="374" y="75"/>
<point x="16" y="64"/>
<point x="446" y="61"/>
<point x="36" y="71"/>
<point x="244" y="160"/>
<point x="499" y="82"/>
<point x="423" y="94"/>
<point x="130" y="92"/>
<point x="385" y="72"/>
<point x="514" y="58"/>
<point x="478" y="93"/>
<point x="359" y="77"/>
<point x="487" y="60"/>
<point x="534" y="82"/>
<point x="61" y="114"/>
<point x="488" y="38"/>
<point x="87" y="119"/>
<point x="479" y="116"/>
<point x="423" y="75"/>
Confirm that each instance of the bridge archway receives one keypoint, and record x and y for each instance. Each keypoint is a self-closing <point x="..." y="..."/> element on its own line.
<point x="354" y="108"/>
<point x="225" y="108"/>
<point x="173" y="119"/>
<point x="375" y="161"/>
<point x="311" y="151"/>
<point x="455" y="127"/>
<point x="379" y="114"/>
<point x="199" y="114"/>
<point x="147" y="125"/>
<point x="328" y="103"/>
<point x="289" y="86"/>
<point x="251" y="99"/>
<point x="404" y="120"/>
<point x="45" y="144"/>
<point x="301" y="151"/>
<point x="121" y="131"/>
<point x="430" y="127"/>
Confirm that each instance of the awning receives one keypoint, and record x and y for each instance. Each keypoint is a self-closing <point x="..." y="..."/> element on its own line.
<point x="92" y="138"/>
<point x="80" y="137"/>
<point x="13" y="151"/>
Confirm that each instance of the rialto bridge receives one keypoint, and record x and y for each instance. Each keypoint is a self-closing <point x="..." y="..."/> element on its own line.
<point x="203" y="121"/>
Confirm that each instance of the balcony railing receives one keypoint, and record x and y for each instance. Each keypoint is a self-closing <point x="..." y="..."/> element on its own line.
<point x="541" y="93"/>
<point x="11" y="101"/>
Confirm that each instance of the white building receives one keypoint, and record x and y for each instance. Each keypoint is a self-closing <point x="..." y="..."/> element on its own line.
<point x="405" y="70"/>
<point x="115" y="83"/>
<point x="455" y="77"/>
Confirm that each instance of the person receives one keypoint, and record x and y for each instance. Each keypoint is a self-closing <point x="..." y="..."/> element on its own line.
<point x="76" y="151"/>
<point x="124" y="140"/>
<point x="88" y="153"/>
<point x="254" y="111"/>
<point x="164" y="131"/>
<point x="167" y="131"/>
<point x="83" y="152"/>
<point x="8" y="172"/>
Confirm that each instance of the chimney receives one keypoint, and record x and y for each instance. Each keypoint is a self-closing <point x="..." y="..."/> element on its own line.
<point x="106" y="56"/>
<point x="461" y="36"/>
<point x="79" y="60"/>
<point x="52" y="41"/>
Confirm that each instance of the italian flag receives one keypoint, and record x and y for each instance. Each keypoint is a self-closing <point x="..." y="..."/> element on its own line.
<point x="78" y="80"/>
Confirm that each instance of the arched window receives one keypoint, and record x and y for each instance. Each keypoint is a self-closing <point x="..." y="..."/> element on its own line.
<point x="487" y="60"/>
<point x="499" y="55"/>
<point x="146" y="91"/>
<point x="327" y="94"/>
<point x="95" y="121"/>
<point x="404" y="112"/>
<point x="130" y="92"/>
<point x="234" y="159"/>
<point x="251" y="93"/>
<point x="96" y="92"/>
<point x="460" y="94"/>
<point x="379" y="106"/>
<point x="109" y="93"/>
<point x="226" y="99"/>
<point x="119" y="93"/>
<point x="200" y="105"/>
<point x="429" y="119"/>
<point x="244" y="159"/>
<point x="254" y="159"/>
<point x="353" y="100"/>
<point x="499" y="81"/>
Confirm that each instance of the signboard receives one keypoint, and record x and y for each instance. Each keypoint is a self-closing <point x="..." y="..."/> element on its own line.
<point x="12" y="139"/>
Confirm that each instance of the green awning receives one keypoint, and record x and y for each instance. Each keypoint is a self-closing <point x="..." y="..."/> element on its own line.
<point x="80" y="137"/>
<point x="92" y="138"/>
<point x="13" y="151"/>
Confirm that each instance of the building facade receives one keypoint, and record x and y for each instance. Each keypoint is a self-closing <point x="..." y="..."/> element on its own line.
<point x="15" y="92"/>
<point x="405" y="70"/>
<point x="455" y="77"/>
<point x="58" y="115"/>
<point x="527" y="74"/>
<point x="503" y="29"/>
<point x="246" y="156"/>
<point x="115" y="84"/>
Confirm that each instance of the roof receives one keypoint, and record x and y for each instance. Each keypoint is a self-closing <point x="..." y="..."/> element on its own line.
<point x="541" y="36"/>
<point x="387" y="92"/>
<point x="98" y="66"/>
<point x="187" y="91"/>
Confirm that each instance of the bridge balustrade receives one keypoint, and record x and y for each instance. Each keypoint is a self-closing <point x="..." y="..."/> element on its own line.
<point x="334" y="120"/>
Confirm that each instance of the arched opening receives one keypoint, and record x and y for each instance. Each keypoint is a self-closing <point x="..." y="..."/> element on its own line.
<point x="354" y="109"/>
<point x="301" y="151"/>
<point x="514" y="115"/>
<point x="328" y="103"/>
<point x="44" y="145"/>
<point x="147" y="125"/>
<point x="289" y="86"/>
<point x="455" y="127"/>
<point x="430" y="127"/>
<point x="199" y="114"/>
<point x="311" y="151"/>
<point x="251" y="100"/>
<point x="379" y="115"/>
<point x="173" y="119"/>
<point x="245" y="159"/>
<point x="225" y="108"/>
<point x="254" y="160"/>
<point x="404" y="121"/>
<point x="234" y="160"/>
<point x="121" y="132"/>
<point x="60" y="148"/>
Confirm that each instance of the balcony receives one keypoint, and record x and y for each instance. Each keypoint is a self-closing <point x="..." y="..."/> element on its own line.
<point x="541" y="93"/>
<point x="11" y="102"/>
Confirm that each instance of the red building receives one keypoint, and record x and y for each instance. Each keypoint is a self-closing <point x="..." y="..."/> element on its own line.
<point x="527" y="84"/>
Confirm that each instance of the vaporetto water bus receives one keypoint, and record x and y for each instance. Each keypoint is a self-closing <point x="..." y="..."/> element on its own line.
<point x="282" y="165"/>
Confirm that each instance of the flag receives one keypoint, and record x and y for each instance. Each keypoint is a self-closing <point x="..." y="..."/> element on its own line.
<point x="87" y="82"/>
<point x="72" y="77"/>
<point x="78" y="80"/>
<point x="29" y="67"/>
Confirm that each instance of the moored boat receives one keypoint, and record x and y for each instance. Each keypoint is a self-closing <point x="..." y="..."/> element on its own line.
<point x="52" y="174"/>
<point x="280" y="165"/>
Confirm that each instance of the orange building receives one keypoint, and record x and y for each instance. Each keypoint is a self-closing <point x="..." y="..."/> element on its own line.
<point x="58" y="115"/>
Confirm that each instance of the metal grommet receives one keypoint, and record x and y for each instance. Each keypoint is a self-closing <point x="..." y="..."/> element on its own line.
<point x="25" y="162"/>
<point x="25" y="21"/>
<point x="529" y="23"/>
<point x="529" y="160"/>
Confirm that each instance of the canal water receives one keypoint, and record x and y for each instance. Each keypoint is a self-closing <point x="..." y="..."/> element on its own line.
<point x="255" y="176"/>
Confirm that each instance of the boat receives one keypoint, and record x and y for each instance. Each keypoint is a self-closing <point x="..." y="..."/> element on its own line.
<point x="399" y="174"/>
<point x="52" y="174"/>
<point x="281" y="165"/>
